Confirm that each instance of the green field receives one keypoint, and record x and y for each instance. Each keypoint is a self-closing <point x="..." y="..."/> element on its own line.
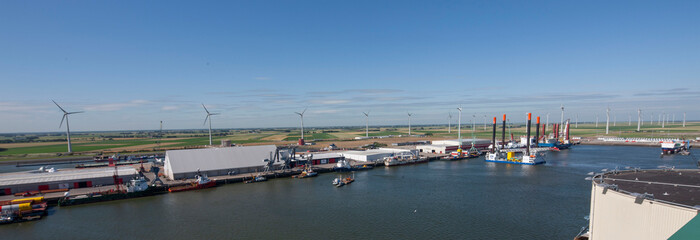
<point x="33" y="145"/>
<point x="309" y="136"/>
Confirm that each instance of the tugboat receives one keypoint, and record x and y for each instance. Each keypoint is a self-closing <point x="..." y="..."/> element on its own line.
<point x="349" y="180"/>
<point x="258" y="178"/>
<point x="338" y="182"/>
<point x="342" y="166"/>
<point x="307" y="173"/>
<point x="202" y="182"/>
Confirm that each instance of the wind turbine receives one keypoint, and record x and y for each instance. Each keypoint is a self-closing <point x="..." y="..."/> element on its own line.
<point x="485" y="123"/>
<point x="607" y="121"/>
<point x="629" y="119"/>
<point x="596" y="120"/>
<point x="205" y="121"/>
<point x="301" y="114"/>
<point x="449" y="122"/>
<point x="409" y="123"/>
<point x="65" y="117"/>
<point x="561" y="123"/>
<point x="639" y="119"/>
<point x="683" y="119"/>
<point x="366" y="123"/>
<point x="459" y="128"/>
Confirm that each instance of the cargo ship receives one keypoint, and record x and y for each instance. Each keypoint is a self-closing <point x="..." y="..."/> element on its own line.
<point x="202" y="182"/>
<point x="137" y="187"/>
<point x="20" y="210"/>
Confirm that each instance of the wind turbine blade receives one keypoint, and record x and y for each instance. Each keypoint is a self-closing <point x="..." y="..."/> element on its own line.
<point x="205" y="120"/>
<point x="299" y="113"/>
<point x="302" y="112"/>
<point x="64" y="117"/>
<point x="214" y="114"/>
<point x="205" y="109"/>
<point x="75" y="112"/>
<point x="54" y="102"/>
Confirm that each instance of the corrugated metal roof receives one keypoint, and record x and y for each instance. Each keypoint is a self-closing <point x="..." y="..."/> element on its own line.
<point x="184" y="161"/>
<point x="375" y="151"/>
<point x="61" y="175"/>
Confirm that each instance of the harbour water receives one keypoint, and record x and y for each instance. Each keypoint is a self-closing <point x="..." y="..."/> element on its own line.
<point x="467" y="199"/>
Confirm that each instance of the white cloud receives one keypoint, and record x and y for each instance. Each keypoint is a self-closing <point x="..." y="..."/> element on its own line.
<point x="330" y="101"/>
<point x="169" y="108"/>
<point x="115" y="106"/>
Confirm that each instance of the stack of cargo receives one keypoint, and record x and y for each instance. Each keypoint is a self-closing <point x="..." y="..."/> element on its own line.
<point x="24" y="209"/>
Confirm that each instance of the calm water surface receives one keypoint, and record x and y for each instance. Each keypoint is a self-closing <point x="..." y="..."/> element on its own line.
<point x="467" y="199"/>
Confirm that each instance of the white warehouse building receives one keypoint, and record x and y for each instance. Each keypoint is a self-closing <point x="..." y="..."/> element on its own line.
<point x="181" y="164"/>
<point x="373" y="155"/>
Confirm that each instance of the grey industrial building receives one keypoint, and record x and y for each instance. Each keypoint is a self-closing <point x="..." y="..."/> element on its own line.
<point x="180" y="164"/>
<point x="11" y="183"/>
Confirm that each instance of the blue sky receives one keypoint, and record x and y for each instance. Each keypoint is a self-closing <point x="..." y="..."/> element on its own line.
<point x="130" y="65"/>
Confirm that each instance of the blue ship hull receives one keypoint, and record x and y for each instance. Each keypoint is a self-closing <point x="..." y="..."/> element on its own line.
<point x="511" y="162"/>
<point x="557" y="145"/>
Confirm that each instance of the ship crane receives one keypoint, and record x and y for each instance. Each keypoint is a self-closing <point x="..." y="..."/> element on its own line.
<point x="117" y="183"/>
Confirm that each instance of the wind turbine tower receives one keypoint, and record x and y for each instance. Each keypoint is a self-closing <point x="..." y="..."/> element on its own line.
<point x="459" y="128"/>
<point x="607" y="121"/>
<point x="639" y="119"/>
<point x="561" y="122"/>
<point x="301" y="114"/>
<point x="629" y="119"/>
<point x="596" y="120"/>
<point x="205" y="121"/>
<point x="683" y="119"/>
<point x="576" y="120"/>
<point x="449" y="122"/>
<point x="409" y="123"/>
<point x="662" y="119"/>
<point x="366" y="123"/>
<point x="65" y="117"/>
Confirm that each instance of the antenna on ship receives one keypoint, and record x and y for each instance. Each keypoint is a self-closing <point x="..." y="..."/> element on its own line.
<point x="65" y="117"/>
<point x="205" y="121"/>
<point x="301" y="115"/>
